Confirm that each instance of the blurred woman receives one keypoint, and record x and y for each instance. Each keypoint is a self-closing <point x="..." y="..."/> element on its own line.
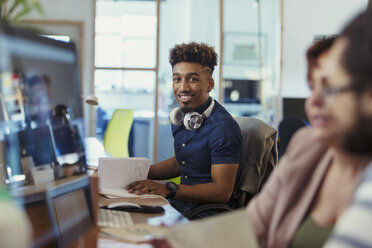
<point x="314" y="181"/>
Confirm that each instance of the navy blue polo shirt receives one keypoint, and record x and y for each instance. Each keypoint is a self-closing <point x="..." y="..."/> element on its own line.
<point x="217" y="141"/>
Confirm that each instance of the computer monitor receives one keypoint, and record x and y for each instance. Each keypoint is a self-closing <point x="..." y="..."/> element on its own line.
<point x="241" y="91"/>
<point x="40" y="93"/>
<point x="69" y="145"/>
<point x="27" y="143"/>
<point x="71" y="210"/>
<point x="294" y="108"/>
<point x="44" y="70"/>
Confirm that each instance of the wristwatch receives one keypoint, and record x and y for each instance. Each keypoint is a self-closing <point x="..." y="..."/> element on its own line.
<point x="172" y="189"/>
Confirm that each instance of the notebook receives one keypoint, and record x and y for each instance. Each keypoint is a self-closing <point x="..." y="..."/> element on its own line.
<point x="115" y="173"/>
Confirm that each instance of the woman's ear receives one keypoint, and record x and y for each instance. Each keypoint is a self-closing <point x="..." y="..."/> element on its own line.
<point x="365" y="101"/>
<point x="368" y="101"/>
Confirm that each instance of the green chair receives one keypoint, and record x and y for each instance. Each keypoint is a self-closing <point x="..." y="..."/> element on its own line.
<point x="116" y="136"/>
<point x="176" y="180"/>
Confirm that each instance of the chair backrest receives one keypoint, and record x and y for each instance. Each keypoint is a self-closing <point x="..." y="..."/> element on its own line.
<point x="116" y="137"/>
<point x="259" y="156"/>
<point x="287" y="127"/>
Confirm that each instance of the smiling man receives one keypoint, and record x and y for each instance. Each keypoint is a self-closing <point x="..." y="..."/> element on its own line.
<point x="207" y="140"/>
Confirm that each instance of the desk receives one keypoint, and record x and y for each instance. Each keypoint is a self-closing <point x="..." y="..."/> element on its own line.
<point x="94" y="150"/>
<point x="170" y="217"/>
<point x="33" y="197"/>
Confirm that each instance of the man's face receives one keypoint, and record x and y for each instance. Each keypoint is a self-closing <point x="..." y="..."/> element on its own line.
<point x="191" y="84"/>
<point x="351" y="111"/>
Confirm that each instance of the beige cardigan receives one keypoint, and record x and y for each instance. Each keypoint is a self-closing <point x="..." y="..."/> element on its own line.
<point x="277" y="211"/>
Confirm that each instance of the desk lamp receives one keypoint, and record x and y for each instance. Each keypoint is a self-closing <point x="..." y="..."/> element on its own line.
<point x="91" y="100"/>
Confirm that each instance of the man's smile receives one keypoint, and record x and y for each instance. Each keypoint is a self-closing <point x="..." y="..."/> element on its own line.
<point x="185" y="98"/>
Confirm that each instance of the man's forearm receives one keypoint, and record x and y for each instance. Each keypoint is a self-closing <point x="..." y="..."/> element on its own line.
<point x="204" y="193"/>
<point x="164" y="170"/>
<point x="218" y="191"/>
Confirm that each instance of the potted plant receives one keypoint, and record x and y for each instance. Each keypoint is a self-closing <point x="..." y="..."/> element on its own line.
<point x="11" y="11"/>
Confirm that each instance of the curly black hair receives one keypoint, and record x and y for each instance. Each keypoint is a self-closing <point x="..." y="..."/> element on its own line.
<point x="193" y="52"/>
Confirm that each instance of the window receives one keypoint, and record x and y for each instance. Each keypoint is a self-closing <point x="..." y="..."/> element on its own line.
<point x="130" y="74"/>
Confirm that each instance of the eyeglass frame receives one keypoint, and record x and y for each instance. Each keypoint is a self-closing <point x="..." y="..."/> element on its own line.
<point x="336" y="90"/>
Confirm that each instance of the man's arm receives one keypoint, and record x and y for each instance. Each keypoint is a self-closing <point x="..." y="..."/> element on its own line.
<point x="165" y="169"/>
<point x="219" y="190"/>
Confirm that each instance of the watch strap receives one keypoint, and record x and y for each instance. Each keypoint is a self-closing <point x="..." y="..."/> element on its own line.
<point x="172" y="189"/>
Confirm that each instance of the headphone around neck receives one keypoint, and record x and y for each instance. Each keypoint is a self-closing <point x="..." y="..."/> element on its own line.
<point x="192" y="120"/>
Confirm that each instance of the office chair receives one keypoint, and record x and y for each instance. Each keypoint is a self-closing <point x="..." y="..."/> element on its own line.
<point x="259" y="156"/>
<point x="116" y="138"/>
<point x="287" y="127"/>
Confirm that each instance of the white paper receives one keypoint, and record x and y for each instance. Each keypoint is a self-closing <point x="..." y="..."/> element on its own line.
<point x="122" y="193"/>
<point x="224" y="230"/>
<point x="118" y="172"/>
<point x="42" y="174"/>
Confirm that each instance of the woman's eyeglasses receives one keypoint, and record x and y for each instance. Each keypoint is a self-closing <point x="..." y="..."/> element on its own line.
<point x="335" y="90"/>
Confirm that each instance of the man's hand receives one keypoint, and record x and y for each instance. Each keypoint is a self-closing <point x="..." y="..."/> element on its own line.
<point x="147" y="187"/>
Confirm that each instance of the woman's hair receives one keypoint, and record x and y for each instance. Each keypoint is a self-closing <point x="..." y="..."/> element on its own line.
<point x="357" y="57"/>
<point x="314" y="52"/>
<point x="193" y="52"/>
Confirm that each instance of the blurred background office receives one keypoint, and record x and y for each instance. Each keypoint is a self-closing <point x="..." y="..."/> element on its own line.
<point x="124" y="44"/>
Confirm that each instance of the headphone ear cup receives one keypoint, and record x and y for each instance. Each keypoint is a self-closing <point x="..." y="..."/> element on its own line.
<point x="193" y="120"/>
<point x="176" y="117"/>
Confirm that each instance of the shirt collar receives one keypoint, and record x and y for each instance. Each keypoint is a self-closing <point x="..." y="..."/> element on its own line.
<point x="203" y="107"/>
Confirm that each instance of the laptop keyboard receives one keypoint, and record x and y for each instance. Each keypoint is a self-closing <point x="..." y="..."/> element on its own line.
<point x="114" y="218"/>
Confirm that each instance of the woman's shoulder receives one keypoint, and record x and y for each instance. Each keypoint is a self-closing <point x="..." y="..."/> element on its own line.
<point x="304" y="151"/>
<point x="304" y="141"/>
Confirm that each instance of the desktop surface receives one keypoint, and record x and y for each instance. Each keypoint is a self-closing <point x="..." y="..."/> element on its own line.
<point x="46" y="205"/>
<point x="170" y="217"/>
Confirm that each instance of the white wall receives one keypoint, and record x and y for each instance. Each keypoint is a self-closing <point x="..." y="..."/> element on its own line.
<point x="182" y="21"/>
<point x="82" y="11"/>
<point x="303" y="19"/>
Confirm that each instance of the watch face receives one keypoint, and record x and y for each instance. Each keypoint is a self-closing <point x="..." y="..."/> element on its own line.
<point x="172" y="186"/>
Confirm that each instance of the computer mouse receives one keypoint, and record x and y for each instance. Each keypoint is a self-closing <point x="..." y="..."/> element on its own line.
<point x="122" y="204"/>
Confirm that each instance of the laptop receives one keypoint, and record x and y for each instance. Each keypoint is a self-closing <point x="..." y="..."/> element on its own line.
<point x="70" y="208"/>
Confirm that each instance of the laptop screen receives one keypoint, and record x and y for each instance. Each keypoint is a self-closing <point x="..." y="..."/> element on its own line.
<point x="70" y="209"/>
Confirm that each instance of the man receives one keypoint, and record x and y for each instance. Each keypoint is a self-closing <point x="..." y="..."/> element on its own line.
<point x="207" y="140"/>
<point x="349" y="95"/>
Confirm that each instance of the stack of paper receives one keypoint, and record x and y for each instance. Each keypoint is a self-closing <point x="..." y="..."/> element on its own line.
<point x="116" y="173"/>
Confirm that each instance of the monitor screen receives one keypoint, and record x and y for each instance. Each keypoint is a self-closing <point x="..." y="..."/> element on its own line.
<point x="69" y="147"/>
<point x="40" y="99"/>
<point x="40" y="73"/>
<point x="23" y="144"/>
<point x="241" y="91"/>
<point x="294" y="108"/>
<point x="71" y="210"/>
